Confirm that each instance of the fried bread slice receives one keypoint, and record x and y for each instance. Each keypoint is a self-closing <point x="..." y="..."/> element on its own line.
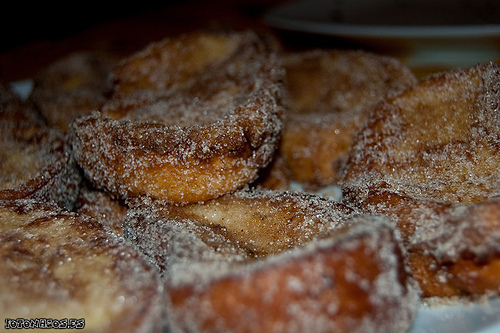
<point x="331" y="94"/>
<point x="73" y="86"/>
<point x="60" y="265"/>
<point x="186" y="126"/>
<point x="429" y="159"/>
<point x="275" y="262"/>
<point x="35" y="161"/>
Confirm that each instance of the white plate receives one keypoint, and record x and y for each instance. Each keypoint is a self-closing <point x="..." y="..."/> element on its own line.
<point x="22" y="88"/>
<point x="481" y="317"/>
<point x="426" y="32"/>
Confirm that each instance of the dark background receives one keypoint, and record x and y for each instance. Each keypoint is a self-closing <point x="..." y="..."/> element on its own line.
<point x="36" y="33"/>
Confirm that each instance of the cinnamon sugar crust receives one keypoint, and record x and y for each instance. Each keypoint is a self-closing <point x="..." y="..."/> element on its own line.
<point x="73" y="86"/>
<point x="438" y="141"/>
<point x="429" y="159"/>
<point x="56" y="264"/>
<point x="35" y="161"/>
<point x="275" y="261"/>
<point x="189" y="139"/>
<point x="331" y="94"/>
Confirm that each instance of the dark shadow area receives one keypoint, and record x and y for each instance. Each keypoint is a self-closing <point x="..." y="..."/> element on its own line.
<point x="24" y="22"/>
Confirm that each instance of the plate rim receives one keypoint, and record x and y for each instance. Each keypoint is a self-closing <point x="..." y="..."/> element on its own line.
<point x="283" y="17"/>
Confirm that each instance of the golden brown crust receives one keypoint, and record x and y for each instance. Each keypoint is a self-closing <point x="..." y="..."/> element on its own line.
<point x="42" y="170"/>
<point x="429" y="159"/>
<point x="60" y="265"/>
<point x="187" y="57"/>
<point x="331" y="94"/>
<point x="274" y="261"/>
<point x="192" y="139"/>
<point x="452" y="249"/>
<point x="438" y="141"/>
<point x="101" y="207"/>
<point x="257" y="223"/>
<point x="73" y="86"/>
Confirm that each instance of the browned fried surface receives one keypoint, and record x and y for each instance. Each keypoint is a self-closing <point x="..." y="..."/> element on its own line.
<point x="18" y="121"/>
<point x="60" y="265"/>
<point x="73" y="86"/>
<point x="452" y="248"/>
<point x="429" y="159"/>
<point x="35" y="161"/>
<point x="438" y="141"/>
<point x="321" y="266"/>
<point x="42" y="170"/>
<point x="256" y="223"/>
<point x="191" y="140"/>
<point x="250" y="261"/>
<point x="187" y="57"/>
<point x="331" y="94"/>
<point x="276" y="176"/>
<point x="101" y="207"/>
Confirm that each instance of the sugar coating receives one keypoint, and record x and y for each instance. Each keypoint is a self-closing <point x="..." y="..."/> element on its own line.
<point x="445" y="158"/>
<point x="72" y="86"/>
<point x="191" y="141"/>
<point x="331" y="94"/>
<point x="438" y="141"/>
<point x="342" y="81"/>
<point x="209" y="247"/>
<point x="35" y="161"/>
<point x="102" y="207"/>
<point x="228" y="226"/>
<point x="429" y="159"/>
<point x="57" y="264"/>
<point x="461" y="229"/>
